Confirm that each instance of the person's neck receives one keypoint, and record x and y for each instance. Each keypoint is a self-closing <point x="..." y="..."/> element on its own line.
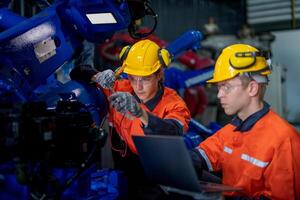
<point x="153" y="95"/>
<point x="251" y="108"/>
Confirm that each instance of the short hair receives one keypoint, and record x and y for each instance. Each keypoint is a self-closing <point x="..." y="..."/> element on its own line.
<point x="262" y="86"/>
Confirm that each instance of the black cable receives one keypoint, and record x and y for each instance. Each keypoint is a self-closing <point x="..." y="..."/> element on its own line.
<point x="133" y="30"/>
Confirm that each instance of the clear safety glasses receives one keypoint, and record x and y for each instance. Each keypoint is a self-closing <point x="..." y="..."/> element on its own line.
<point x="145" y="80"/>
<point x="227" y="88"/>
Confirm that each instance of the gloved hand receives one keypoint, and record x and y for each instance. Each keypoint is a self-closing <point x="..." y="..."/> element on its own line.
<point x="106" y="78"/>
<point x="123" y="102"/>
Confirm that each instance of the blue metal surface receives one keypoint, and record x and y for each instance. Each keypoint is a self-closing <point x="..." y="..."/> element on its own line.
<point x="107" y="184"/>
<point x="93" y="184"/>
<point x="179" y="79"/>
<point x="9" y="19"/>
<point x="189" y="40"/>
<point x="32" y="49"/>
<point x="21" y="67"/>
<point x="75" y="14"/>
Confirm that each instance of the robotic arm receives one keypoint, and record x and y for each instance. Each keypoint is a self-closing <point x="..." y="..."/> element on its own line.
<point x="32" y="49"/>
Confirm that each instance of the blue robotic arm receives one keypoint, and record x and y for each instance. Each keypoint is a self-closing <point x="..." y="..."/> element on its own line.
<point x="32" y="49"/>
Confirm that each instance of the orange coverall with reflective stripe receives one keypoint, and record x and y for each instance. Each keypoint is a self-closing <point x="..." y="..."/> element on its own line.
<point x="264" y="160"/>
<point x="171" y="106"/>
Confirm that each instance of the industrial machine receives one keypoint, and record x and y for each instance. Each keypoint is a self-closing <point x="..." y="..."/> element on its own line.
<point x="52" y="126"/>
<point x="45" y="127"/>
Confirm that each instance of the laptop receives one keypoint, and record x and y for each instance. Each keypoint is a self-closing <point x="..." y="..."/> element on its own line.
<point x="166" y="161"/>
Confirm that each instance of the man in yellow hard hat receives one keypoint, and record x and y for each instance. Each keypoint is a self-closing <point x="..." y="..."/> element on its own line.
<point x="140" y="105"/>
<point x="257" y="151"/>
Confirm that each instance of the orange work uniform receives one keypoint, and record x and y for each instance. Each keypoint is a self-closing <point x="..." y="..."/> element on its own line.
<point x="168" y="115"/>
<point x="263" y="159"/>
<point x="166" y="105"/>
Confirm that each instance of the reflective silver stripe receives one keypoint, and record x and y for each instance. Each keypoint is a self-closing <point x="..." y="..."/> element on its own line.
<point x="208" y="163"/>
<point x="201" y="126"/>
<point x="254" y="161"/>
<point x="228" y="150"/>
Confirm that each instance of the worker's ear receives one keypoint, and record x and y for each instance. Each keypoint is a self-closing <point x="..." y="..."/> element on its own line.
<point x="160" y="74"/>
<point x="253" y="88"/>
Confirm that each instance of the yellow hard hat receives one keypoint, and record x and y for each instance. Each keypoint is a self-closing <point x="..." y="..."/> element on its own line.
<point x="238" y="59"/>
<point x="144" y="58"/>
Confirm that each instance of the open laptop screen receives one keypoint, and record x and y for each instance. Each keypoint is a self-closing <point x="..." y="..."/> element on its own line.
<point x="166" y="161"/>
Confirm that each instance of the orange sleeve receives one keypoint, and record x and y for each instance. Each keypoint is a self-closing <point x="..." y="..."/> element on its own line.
<point x="282" y="175"/>
<point x="180" y="113"/>
<point x="212" y="151"/>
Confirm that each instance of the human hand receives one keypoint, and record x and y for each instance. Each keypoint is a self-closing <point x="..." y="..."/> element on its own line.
<point x="106" y="78"/>
<point x="123" y="102"/>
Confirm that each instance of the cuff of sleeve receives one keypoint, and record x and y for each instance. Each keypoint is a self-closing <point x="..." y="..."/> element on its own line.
<point x="205" y="157"/>
<point x="152" y="121"/>
<point x="160" y="126"/>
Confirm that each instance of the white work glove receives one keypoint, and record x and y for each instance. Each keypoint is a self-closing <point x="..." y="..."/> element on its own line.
<point x="105" y="79"/>
<point x="124" y="102"/>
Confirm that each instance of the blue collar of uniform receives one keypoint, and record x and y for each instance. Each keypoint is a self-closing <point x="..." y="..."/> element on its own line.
<point x="151" y="104"/>
<point x="248" y="123"/>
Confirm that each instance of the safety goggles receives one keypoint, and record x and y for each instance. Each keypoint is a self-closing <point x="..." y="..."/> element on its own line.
<point x="227" y="88"/>
<point x="145" y="80"/>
